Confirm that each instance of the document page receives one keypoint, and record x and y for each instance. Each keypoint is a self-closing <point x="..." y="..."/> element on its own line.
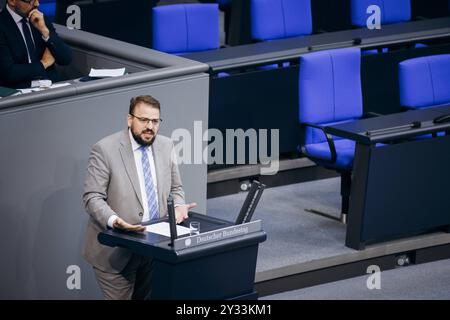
<point x="163" y="228"/>
<point x="104" y="73"/>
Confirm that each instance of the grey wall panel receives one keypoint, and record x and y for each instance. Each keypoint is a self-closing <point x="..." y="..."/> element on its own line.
<point x="44" y="151"/>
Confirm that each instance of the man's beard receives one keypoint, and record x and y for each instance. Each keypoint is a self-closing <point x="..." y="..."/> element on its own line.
<point x="24" y="14"/>
<point x="142" y="142"/>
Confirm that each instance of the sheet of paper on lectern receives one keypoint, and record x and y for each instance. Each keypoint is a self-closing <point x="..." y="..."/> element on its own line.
<point x="163" y="228"/>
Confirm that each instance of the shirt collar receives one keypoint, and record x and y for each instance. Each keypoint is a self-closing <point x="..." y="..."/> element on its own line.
<point x="134" y="145"/>
<point x="14" y="15"/>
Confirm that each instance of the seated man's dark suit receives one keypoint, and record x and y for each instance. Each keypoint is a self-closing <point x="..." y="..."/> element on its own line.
<point x="15" y="70"/>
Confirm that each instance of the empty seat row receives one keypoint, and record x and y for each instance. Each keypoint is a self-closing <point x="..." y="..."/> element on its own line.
<point x="330" y="93"/>
<point x="195" y="27"/>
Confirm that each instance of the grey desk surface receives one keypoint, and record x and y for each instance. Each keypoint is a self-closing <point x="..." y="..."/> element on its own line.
<point x="393" y="126"/>
<point x="290" y="48"/>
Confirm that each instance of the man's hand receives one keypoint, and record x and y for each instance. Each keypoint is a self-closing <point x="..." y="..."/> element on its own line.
<point x="47" y="59"/>
<point x="122" y="225"/>
<point x="36" y="18"/>
<point x="181" y="212"/>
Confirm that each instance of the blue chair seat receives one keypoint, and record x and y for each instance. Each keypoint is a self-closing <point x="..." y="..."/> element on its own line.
<point x="345" y="151"/>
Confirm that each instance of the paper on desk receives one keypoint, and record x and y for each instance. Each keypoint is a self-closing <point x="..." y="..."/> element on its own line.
<point x="163" y="228"/>
<point x="41" y="83"/>
<point x="59" y="85"/>
<point x="52" y="86"/>
<point x="104" y="73"/>
<point x="29" y="90"/>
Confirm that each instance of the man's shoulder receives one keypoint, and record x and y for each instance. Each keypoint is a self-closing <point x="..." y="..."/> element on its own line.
<point x="164" y="139"/>
<point x="4" y="16"/>
<point x="164" y="142"/>
<point x="110" y="141"/>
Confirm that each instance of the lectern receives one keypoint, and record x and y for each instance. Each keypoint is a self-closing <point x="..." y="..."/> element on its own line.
<point x="219" y="263"/>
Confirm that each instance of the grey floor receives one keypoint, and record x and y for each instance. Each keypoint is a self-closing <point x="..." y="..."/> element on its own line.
<point x="428" y="281"/>
<point x="298" y="240"/>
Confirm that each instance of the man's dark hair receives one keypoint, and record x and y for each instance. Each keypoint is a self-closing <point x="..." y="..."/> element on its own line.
<point x="144" y="99"/>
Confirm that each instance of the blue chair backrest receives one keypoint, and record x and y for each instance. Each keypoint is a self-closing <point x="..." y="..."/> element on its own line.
<point x="392" y="11"/>
<point x="276" y="19"/>
<point x="425" y="81"/>
<point x="329" y="88"/>
<point x="185" y="28"/>
<point x="48" y="8"/>
<point x="224" y="2"/>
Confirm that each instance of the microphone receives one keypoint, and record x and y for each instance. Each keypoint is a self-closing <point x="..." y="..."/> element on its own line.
<point x="172" y="220"/>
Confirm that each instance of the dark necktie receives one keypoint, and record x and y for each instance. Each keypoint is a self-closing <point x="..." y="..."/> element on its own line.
<point x="29" y="40"/>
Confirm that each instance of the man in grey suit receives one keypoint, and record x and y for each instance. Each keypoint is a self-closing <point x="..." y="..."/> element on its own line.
<point x="129" y="177"/>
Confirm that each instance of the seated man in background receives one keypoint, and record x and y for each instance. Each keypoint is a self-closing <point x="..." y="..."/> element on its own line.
<point x="29" y="46"/>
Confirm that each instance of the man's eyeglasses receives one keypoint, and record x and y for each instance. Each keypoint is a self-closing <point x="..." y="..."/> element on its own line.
<point x="146" y="121"/>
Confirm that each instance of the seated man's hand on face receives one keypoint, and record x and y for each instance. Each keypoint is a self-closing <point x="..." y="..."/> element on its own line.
<point x="181" y="211"/>
<point x="36" y="18"/>
<point x="122" y="225"/>
<point x="47" y="59"/>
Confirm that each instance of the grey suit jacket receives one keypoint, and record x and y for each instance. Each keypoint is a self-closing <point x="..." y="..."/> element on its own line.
<point x="112" y="187"/>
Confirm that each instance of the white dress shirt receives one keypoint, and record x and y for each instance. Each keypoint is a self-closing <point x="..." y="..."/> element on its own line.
<point x="137" y="153"/>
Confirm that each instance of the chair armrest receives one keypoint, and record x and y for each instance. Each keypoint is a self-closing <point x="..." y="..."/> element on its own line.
<point x="330" y="142"/>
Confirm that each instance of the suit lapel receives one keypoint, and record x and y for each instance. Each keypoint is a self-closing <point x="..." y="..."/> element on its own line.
<point x="15" y="33"/>
<point x="126" y="153"/>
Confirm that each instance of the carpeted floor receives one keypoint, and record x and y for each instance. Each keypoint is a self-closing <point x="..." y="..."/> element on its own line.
<point x="293" y="235"/>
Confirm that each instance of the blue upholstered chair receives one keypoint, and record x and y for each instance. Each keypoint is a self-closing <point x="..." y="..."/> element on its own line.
<point x="278" y="19"/>
<point x="392" y="11"/>
<point x="48" y="8"/>
<point x="224" y="2"/>
<point x="425" y="81"/>
<point x="184" y="28"/>
<point x="330" y="93"/>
